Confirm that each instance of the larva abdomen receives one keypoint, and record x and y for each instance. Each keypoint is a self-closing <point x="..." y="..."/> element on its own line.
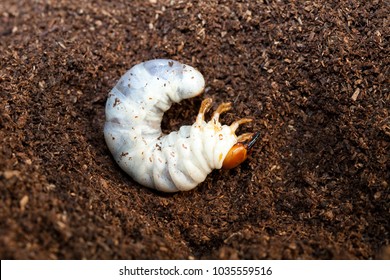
<point x="134" y="112"/>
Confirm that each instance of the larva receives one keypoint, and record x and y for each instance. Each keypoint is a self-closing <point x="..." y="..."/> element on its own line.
<point x="182" y="159"/>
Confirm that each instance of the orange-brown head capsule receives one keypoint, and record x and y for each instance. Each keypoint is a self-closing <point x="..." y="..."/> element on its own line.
<point x="236" y="155"/>
<point x="239" y="153"/>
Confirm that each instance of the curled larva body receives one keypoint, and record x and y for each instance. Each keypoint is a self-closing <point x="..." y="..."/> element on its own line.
<point x="180" y="160"/>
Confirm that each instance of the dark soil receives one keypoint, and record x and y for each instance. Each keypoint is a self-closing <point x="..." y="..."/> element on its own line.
<point x="314" y="75"/>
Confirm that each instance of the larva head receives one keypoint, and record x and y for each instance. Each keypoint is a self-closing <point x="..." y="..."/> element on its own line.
<point x="239" y="152"/>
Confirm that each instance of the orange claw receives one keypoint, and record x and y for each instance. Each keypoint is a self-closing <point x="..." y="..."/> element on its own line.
<point x="239" y="152"/>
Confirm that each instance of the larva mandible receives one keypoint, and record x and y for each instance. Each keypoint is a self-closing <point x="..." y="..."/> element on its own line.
<point x="182" y="159"/>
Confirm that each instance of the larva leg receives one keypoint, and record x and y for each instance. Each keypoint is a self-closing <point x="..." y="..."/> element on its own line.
<point x="245" y="137"/>
<point x="237" y="123"/>
<point x="204" y="108"/>
<point x="224" y="107"/>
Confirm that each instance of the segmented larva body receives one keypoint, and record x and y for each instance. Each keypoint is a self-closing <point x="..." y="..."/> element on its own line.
<point x="180" y="160"/>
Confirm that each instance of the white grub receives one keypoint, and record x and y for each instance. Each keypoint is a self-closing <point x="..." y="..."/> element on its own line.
<point x="180" y="160"/>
